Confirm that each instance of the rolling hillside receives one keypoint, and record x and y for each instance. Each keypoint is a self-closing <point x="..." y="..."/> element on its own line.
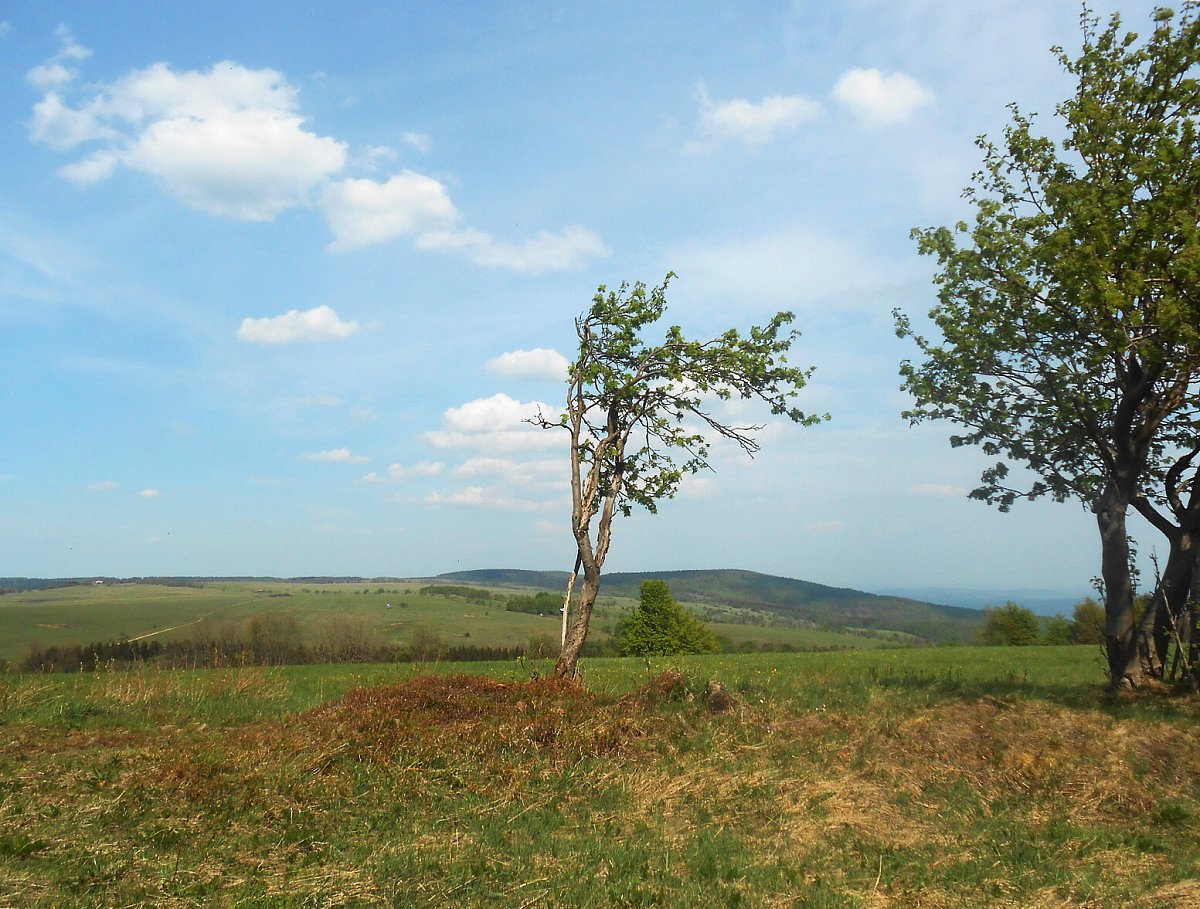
<point x="835" y="607"/>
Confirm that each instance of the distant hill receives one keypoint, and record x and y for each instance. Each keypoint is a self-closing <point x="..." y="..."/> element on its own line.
<point x="834" y="607"/>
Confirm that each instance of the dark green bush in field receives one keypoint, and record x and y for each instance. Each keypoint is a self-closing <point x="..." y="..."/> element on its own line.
<point x="661" y="627"/>
<point x="540" y="603"/>
<point x="1010" y="625"/>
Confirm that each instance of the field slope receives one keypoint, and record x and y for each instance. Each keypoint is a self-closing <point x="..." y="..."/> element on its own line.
<point x="834" y="607"/>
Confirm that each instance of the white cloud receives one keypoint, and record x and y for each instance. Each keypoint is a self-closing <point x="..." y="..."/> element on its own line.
<point x="150" y="494"/>
<point x="227" y="141"/>
<point x="539" y="363"/>
<point x="247" y="164"/>
<point x="420" y="141"/>
<point x="398" y="472"/>
<point x="546" y="471"/>
<point x="938" y="490"/>
<point x="318" y="324"/>
<point x="5" y="28"/>
<point x="751" y="123"/>
<point x="231" y="141"/>
<point x="364" y="212"/>
<point x="54" y="72"/>
<point x="91" y="169"/>
<point x="50" y="75"/>
<point x="571" y="249"/>
<point x="488" y="497"/>
<point x="496" y="425"/>
<point x="696" y="487"/>
<point x="104" y="486"/>
<point x="62" y="127"/>
<point x="879" y="99"/>
<point x="336" y="456"/>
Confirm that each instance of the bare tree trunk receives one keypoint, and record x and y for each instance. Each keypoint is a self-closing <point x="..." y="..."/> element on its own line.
<point x="566" y="610"/>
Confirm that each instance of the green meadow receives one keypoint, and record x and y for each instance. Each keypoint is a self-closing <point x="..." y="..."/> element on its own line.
<point x="121" y="611"/>
<point x="935" y="777"/>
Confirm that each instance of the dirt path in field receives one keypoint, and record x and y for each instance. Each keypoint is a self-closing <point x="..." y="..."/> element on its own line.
<point x="195" y="621"/>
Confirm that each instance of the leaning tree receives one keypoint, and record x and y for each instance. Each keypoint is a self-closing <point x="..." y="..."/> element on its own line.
<point x="1069" y="311"/>
<point x="643" y="413"/>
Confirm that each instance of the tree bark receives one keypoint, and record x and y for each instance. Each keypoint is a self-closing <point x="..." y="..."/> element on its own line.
<point x="567" y="664"/>
<point x="1124" y="667"/>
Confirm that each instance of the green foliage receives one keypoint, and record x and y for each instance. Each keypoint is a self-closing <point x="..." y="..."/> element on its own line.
<point x="1069" y="323"/>
<point x="625" y="388"/>
<point x="540" y="603"/>
<point x="1068" y="314"/>
<point x="1087" y="622"/>
<point x="473" y="594"/>
<point x="661" y="627"/>
<point x="1010" y="625"/>
<point x="1057" y="631"/>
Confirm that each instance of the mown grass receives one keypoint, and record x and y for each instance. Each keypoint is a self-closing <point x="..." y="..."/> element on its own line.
<point x="936" y="778"/>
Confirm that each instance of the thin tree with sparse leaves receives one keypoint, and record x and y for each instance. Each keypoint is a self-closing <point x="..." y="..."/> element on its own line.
<point x="641" y="415"/>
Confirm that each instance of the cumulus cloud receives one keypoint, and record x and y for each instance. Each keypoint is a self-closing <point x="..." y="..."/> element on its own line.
<point x="232" y="141"/>
<point x="539" y="363"/>
<point x="365" y="212"/>
<point x="104" y="486"/>
<point x="149" y="494"/>
<point x="398" y="472"/>
<point x="750" y="123"/>
<point x="570" y="249"/>
<point x="228" y="141"/>
<point x="495" y="424"/>
<point x="878" y="99"/>
<point x="318" y="324"/>
<point x="336" y="456"/>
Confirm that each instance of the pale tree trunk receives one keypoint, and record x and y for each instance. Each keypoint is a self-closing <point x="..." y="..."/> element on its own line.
<point x="567" y="665"/>
<point x="566" y="610"/>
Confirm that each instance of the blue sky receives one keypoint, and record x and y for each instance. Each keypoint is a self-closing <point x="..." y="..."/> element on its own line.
<point x="278" y="287"/>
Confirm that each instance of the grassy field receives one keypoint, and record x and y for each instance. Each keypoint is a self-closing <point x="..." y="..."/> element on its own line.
<point x="947" y="777"/>
<point x="88" y="614"/>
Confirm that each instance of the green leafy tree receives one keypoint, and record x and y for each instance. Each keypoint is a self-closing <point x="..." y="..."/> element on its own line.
<point x="1057" y="631"/>
<point x="1010" y="626"/>
<point x="1087" y="622"/>
<point x="1069" y="310"/>
<point x="661" y="627"/>
<point x="632" y="411"/>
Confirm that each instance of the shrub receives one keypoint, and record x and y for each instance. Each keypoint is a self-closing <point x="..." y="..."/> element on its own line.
<point x="1010" y="625"/>
<point x="661" y="627"/>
